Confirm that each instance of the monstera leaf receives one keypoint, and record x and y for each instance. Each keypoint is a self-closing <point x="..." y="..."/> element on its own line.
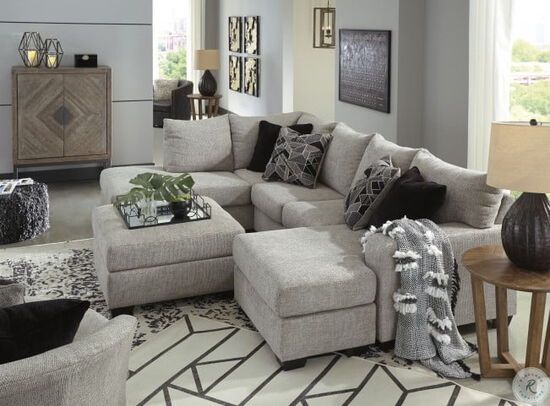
<point x="156" y="186"/>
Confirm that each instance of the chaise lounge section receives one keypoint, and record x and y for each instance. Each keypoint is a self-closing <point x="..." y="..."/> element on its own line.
<point x="302" y="277"/>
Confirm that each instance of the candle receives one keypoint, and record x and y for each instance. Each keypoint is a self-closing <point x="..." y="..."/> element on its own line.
<point x="32" y="56"/>
<point x="51" y="61"/>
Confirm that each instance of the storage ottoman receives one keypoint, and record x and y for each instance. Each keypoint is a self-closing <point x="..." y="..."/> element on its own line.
<point x="307" y="290"/>
<point x="166" y="262"/>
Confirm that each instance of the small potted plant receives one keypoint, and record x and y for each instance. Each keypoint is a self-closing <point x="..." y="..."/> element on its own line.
<point x="151" y="187"/>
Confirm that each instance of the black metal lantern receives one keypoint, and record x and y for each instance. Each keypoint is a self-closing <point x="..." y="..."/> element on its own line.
<point x="31" y="49"/>
<point x="53" y="53"/>
<point x="324" y="22"/>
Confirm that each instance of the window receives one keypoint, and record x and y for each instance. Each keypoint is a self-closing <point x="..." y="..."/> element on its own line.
<point x="530" y="85"/>
<point x="170" y="34"/>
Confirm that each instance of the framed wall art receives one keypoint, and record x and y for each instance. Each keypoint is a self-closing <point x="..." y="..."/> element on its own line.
<point x="252" y="76"/>
<point x="235" y="34"/>
<point x="252" y="35"/>
<point x="365" y="66"/>
<point x="235" y="73"/>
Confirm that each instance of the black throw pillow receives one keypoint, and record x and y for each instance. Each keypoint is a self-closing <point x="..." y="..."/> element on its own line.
<point x="267" y="137"/>
<point x="33" y="328"/>
<point x="410" y="196"/>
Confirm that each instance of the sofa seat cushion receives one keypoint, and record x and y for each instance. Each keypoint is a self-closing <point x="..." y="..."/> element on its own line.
<point x="244" y="133"/>
<point x="122" y="249"/>
<point x="271" y="197"/>
<point x="115" y="181"/>
<point x="306" y="270"/>
<point x="226" y="188"/>
<point x="250" y="176"/>
<point x="468" y="200"/>
<point x="313" y="214"/>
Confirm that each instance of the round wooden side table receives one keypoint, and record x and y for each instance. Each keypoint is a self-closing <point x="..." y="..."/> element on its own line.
<point x="490" y="264"/>
<point x="211" y="107"/>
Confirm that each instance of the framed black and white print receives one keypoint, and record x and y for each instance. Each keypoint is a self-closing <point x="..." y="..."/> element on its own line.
<point x="235" y="73"/>
<point x="252" y="76"/>
<point x="235" y="34"/>
<point x="365" y="67"/>
<point x="252" y="35"/>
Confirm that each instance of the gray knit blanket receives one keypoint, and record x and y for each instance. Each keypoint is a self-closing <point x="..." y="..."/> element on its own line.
<point x="426" y="329"/>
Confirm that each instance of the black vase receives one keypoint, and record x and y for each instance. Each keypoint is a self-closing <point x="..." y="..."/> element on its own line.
<point x="526" y="232"/>
<point x="207" y="84"/>
<point x="180" y="210"/>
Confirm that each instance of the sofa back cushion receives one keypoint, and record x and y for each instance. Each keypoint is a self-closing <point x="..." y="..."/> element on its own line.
<point x="379" y="148"/>
<point x="469" y="199"/>
<point x="195" y="146"/>
<point x="343" y="157"/>
<point x="319" y="126"/>
<point x="244" y="134"/>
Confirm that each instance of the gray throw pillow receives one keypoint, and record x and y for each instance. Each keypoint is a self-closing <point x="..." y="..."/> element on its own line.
<point x="297" y="158"/>
<point x="11" y="293"/>
<point x="368" y="192"/>
<point x="162" y="89"/>
<point x="198" y="146"/>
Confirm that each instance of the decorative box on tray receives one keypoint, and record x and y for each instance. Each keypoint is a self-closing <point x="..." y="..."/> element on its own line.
<point x="135" y="215"/>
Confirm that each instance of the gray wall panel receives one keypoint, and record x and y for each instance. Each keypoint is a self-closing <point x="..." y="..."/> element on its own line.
<point x="97" y="11"/>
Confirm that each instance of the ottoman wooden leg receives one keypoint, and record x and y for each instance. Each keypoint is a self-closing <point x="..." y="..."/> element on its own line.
<point x="122" y="310"/>
<point x="294" y="364"/>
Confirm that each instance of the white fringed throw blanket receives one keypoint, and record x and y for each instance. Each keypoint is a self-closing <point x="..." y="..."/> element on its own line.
<point x="426" y="329"/>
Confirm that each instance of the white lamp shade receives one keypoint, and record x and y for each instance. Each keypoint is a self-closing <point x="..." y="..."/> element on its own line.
<point x="206" y="59"/>
<point x="519" y="157"/>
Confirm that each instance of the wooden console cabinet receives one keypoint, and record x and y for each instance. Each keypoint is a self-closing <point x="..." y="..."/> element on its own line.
<point x="61" y="116"/>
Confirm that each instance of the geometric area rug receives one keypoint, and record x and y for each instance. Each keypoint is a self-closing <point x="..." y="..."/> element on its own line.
<point x="198" y="361"/>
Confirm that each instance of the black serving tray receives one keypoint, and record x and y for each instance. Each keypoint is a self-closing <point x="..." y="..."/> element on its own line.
<point x="134" y="219"/>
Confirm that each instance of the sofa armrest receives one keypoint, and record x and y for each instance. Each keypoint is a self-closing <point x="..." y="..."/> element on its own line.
<point x="90" y="371"/>
<point x="379" y="250"/>
<point x="181" y="110"/>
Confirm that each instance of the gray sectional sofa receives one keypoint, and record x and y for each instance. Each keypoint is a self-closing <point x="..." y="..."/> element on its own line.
<point x="303" y="277"/>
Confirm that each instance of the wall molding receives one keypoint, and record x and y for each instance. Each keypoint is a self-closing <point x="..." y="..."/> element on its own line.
<point x="72" y="23"/>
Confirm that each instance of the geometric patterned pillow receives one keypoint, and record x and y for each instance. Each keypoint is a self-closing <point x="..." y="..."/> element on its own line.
<point x="297" y="158"/>
<point x="361" y="200"/>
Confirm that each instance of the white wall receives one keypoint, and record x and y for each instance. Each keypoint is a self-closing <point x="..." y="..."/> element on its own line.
<point x="314" y="68"/>
<point x="446" y="79"/>
<point x="371" y="14"/>
<point x="410" y="79"/>
<point x="119" y="32"/>
<point x="273" y="92"/>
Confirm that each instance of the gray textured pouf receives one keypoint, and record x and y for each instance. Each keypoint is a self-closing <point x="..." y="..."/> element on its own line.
<point x="24" y="214"/>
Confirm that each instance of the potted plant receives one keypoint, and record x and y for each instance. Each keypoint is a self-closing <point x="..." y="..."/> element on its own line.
<point x="151" y="187"/>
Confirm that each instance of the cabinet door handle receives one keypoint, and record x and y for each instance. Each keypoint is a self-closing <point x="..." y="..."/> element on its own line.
<point x="67" y="116"/>
<point x="59" y="115"/>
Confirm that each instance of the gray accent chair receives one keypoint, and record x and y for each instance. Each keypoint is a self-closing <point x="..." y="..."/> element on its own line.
<point x="90" y="371"/>
<point x="303" y="278"/>
<point x="177" y="107"/>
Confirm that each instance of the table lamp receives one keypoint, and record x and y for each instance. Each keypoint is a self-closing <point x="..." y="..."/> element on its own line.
<point x="519" y="160"/>
<point x="206" y="59"/>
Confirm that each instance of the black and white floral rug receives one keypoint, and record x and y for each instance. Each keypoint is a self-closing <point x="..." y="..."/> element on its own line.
<point x="66" y="270"/>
